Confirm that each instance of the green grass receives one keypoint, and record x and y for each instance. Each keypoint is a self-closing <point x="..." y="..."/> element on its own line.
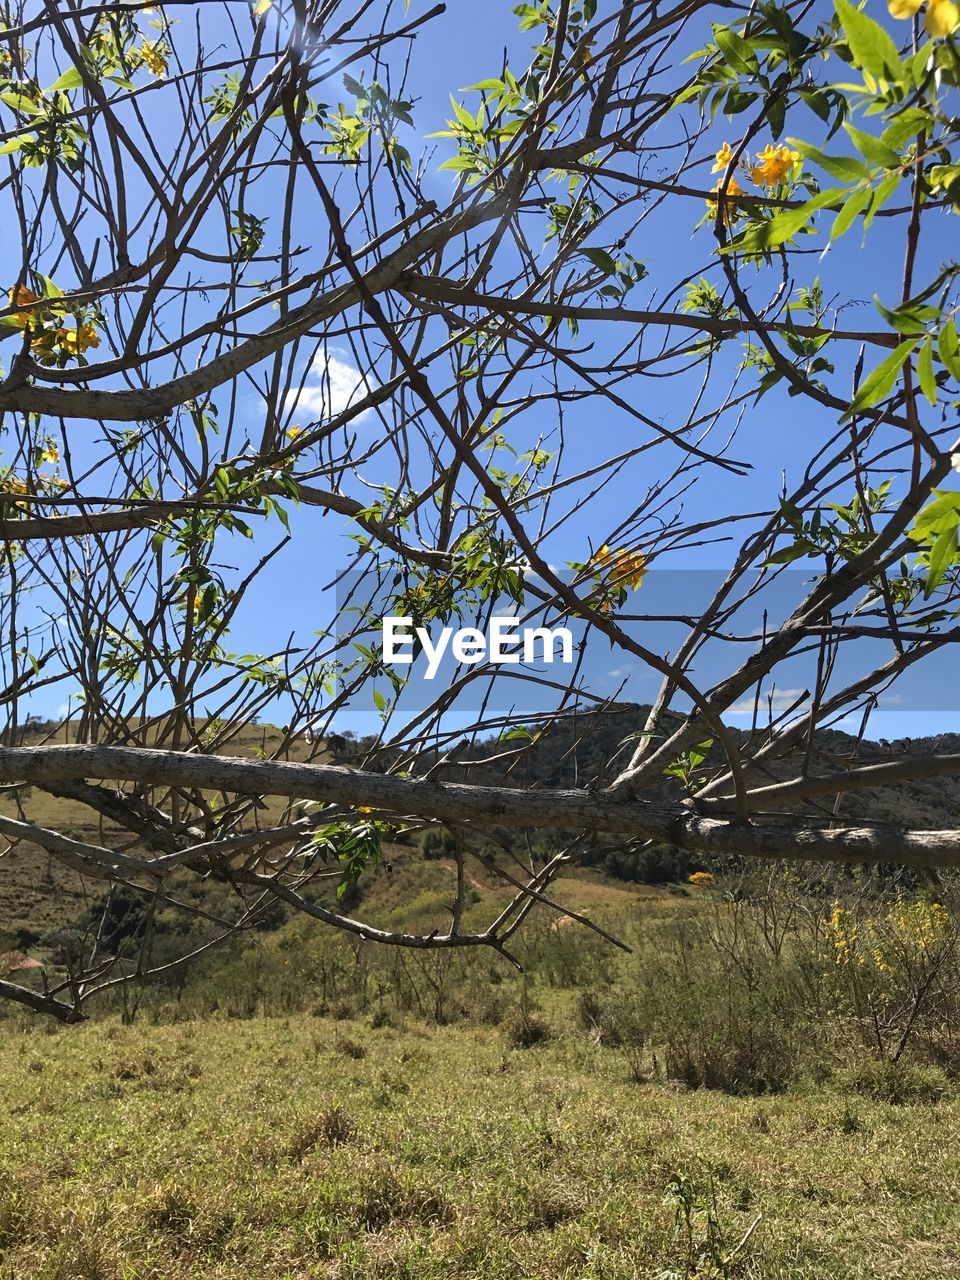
<point x="299" y="1147"/>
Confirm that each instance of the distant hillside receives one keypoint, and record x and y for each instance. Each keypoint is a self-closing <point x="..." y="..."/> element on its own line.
<point x="586" y="749"/>
<point x="39" y="895"/>
<point x="591" y="748"/>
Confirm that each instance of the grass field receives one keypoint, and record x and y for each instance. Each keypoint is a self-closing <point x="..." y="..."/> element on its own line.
<point x="293" y="1110"/>
<point x="300" y="1147"/>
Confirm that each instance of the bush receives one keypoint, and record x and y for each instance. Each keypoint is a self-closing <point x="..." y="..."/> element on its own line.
<point x="900" y="1083"/>
<point x="437" y="843"/>
<point x="525" y="1028"/>
<point x="719" y="1009"/>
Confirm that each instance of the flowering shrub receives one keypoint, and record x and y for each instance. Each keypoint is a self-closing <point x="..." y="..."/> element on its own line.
<point x="885" y="969"/>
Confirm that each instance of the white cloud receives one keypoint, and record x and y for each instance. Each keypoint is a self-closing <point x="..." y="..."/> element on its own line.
<point x="332" y="385"/>
<point x="781" y="700"/>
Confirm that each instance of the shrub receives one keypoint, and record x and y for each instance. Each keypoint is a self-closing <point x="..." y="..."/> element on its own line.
<point x="900" y="1083"/>
<point x="437" y="843"/>
<point x="351" y="1048"/>
<point x="525" y="1028"/>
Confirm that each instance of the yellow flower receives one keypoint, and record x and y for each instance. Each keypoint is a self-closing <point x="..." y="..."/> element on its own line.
<point x="773" y="165"/>
<point x="44" y="342"/>
<point x="734" y="189"/>
<point x="363" y="808"/>
<point x="14" y="485"/>
<point x="942" y="16"/>
<point x="843" y="933"/>
<point x="261" y="7"/>
<point x="701" y="879"/>
<point x="723" y="158"/>
<point x="76" y="341"/>
<point x="154" y="58"/>
<point x="626" y="568"/>
<point x="51" y="453"/>
<point x="294" y="432"/>
<point x="23" y="297"/>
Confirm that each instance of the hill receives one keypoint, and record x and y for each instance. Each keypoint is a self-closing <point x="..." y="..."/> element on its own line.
<point x="39" y="895"/>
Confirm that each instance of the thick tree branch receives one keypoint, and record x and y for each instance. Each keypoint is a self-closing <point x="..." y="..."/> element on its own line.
<point x="457" y="802"/>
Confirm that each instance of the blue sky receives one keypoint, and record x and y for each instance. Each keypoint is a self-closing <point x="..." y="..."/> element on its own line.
<point x="465" y="45"/>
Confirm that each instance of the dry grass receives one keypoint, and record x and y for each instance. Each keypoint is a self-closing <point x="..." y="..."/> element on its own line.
<point x="237" y="1149"/>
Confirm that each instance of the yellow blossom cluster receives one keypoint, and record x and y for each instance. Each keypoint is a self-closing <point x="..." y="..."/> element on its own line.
<point x="624" y="568"/>
<point x="47" y="343"/>
<point x="76" y="341"/>
<point x="734" y="189"/>
<point x="842" y="933"/>
<point x="941" y="18"/>
<point x="701" y="879"/>
<point x="770" y="168"/>
<point x="908" y="929"/>
<point x="773" y="165"/>
<point x="154" y="58"/>
<point x="919" y="926"/>
<point x="21" y="296"/>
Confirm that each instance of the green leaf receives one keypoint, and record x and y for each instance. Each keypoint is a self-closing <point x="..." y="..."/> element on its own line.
<point x="784" y="225"/>
<point x="602" y="259"/>
<point x="948" y="348"/>
<point x="905" y="127"/>
<point x="461" y="163"/>
<point x="942" y="555"/>
<point x="208" y="602"/>
<point x="16" y="143"/>
<point x="379" y="701"/>
<point x="882" y="380"/>
<point x="943" y="512"/>
<point x="464" y="117"/>
<point x="928" y="381"/>
<point x="736" y="52"/>
<point x="883" y="193"/>
<point x="918" y="64"/>
<point x="873" y="149"/>
<point x="846" y="168"/>
<point x="871" y="47"/>
<point x="855" y="203"/>
<point x="796" y="551"/>
<point x="71" y="79"/>
<point x="910" y="319"/>
<point x="20" y="102"/>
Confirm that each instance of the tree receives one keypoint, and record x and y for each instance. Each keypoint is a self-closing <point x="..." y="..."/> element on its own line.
<point x="244" y="292"/>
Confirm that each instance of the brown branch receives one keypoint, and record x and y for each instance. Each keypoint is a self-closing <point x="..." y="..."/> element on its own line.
<point x="458" y="802"/>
